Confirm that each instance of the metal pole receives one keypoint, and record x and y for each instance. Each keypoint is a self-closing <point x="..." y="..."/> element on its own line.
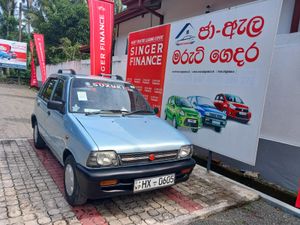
<point x="20" y="21"/>
<point x="208" y="166"/>
<point x="20" y="35"/>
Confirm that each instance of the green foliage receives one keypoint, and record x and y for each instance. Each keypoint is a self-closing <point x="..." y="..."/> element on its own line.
<point x="65" y="25"/>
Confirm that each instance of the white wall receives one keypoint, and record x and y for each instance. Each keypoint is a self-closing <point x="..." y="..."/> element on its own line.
<point x="281" y="120"/>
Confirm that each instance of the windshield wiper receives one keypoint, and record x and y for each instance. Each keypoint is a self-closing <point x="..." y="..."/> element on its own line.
<point x="140" y="111"/>
<point x="106" y="111"/>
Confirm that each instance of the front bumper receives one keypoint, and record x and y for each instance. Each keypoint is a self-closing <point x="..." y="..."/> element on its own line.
<point x="210" y="121"/>
<point x="89" y="179"/>
<point x="184" y="122"/>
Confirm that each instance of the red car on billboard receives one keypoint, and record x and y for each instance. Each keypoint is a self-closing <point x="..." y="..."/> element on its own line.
<point x="233" y="106"/>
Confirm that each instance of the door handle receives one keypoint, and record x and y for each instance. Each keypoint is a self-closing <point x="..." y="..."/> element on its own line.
<point x="48" y="113"/>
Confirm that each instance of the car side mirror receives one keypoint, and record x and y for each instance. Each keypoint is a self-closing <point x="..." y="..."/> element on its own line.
<point x="56" y="105"/>
<point x="156" y="110"/>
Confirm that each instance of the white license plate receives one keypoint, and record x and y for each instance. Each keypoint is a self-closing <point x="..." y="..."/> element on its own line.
<point x="243" y="113"/>
<point x="216" y="122"/>
<point x="191" y="121"/>
<point x="153" y="182"/>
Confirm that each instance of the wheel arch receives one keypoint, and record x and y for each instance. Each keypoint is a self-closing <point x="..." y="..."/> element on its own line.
<point x="66" y="153"/>
<point x="33" y="120"/>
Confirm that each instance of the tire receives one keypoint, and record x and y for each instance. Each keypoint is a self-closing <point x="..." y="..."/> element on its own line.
<point x="37" y="138"/>
<point x="174" y="123"/>
<point x="194" y="130"/>
<point x="218" y="129"/>
<point x="72" y="189"/>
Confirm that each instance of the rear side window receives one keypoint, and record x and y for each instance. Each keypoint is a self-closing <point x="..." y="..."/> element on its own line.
<point x="58" y="92"/>
<point x="48" y="90"/>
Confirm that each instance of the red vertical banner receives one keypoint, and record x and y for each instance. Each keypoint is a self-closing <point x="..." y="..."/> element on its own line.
<point x="101" y="33"/>
<point x="33" y="78"/>
<point x="147" y="55"/>
<point x="40" y="49"/>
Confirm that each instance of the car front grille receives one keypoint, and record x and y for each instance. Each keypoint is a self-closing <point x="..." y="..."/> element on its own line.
<point x="217" y="116"/>
<point x="144" y="158"/>
<point x="242" y="110"/>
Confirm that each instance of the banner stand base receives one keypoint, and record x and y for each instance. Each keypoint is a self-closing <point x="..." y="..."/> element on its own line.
<point x="208" y="166"/>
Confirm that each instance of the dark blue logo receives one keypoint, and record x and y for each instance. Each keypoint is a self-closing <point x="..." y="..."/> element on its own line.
<point x="186" y="36"/>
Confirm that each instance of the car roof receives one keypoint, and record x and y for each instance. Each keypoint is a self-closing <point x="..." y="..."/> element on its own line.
<point x="66" y="76"/>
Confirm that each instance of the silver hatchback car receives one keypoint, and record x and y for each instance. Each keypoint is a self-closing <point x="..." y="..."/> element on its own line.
<point x="107" y="137"/>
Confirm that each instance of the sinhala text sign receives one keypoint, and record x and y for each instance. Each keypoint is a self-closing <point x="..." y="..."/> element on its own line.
<point x="13" y="54"/>
<point x="219" y="65"/>
<point x="216" y="77"/>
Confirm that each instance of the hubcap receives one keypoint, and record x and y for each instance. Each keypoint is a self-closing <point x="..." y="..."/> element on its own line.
<point x="69" y="179"/>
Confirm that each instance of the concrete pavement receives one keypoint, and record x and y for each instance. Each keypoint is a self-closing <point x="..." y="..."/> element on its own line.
<point x="31" y="184"/>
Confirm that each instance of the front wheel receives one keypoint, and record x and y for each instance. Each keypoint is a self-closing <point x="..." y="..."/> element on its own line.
<point x="218" y="129"/>
<point x="71" y="186"/>
<point x="37" y="139"/>
<point x="194" y="130"/>
<point x="174" y="122"/>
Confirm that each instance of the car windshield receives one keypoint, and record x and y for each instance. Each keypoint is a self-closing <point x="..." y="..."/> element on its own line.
<point x="92" y="96"/>
<point x="233" y="98"/>
<point x="204" y="101"/>
<point x="182" y="102"/>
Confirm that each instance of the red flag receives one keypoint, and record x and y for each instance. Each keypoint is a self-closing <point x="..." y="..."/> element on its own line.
<point x="33" y="78"/>
<point x="101" y="31"/>
<point x="40" y="49"/>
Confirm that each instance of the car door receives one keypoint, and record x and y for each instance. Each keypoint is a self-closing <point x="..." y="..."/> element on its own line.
<point x="56" y="122"/>
<point x="42" y="113"/>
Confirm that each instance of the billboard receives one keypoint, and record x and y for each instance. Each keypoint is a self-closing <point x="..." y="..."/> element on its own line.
<point x="13" y="54"/>
<point x="216" y="77"/>
<point x="147" y="54"/>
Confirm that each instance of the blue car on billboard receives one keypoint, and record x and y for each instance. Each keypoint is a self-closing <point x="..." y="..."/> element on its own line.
<point x="211" y="116"/>
<point x="4" y="55"/>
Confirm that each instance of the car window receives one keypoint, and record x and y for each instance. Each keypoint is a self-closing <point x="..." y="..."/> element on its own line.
<point x="217" y="97"/>
<point x="90" y="95"/>
<point x="48" y="90"/>
<point x="221" y="98"/>
<point x="58" y="92"/>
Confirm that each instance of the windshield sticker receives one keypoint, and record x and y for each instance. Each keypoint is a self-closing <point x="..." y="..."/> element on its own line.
<point x="75" y="108"/>
<point x="108" y="85"/>
<point x="90" y="110"/>
<point x="82" y="96"/>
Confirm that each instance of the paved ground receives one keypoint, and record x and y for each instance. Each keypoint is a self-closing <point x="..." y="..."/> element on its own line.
<point x="16" y="105"/>
<point x="31" y="187"/>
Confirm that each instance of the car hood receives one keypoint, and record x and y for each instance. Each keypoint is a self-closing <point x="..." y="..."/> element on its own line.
<point x="239" y="105"/>
<point x="189" y="110"/>
<point x="133" y="133"/>
<point x="210" y="110"/>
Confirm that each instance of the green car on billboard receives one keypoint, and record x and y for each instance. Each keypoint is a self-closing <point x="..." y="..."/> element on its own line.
<point x="182" y="114"/>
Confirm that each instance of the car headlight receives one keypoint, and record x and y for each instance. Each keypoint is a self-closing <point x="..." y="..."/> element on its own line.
<point x="232" y="106"/>
<point x="181" y="113"/>
<point x="102" y="158"/>
<point x="186" y="150"/>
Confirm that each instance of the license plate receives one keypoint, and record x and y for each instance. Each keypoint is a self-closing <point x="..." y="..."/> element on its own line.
<point x="243" y="113"/>
<point x="153" y="182"/>
<point x="191" y="121"/>
<point x="216" y="122"/>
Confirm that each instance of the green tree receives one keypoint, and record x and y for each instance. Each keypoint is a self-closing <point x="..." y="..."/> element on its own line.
<point x="8" y="22"/>
<point x="65" y="25"/>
